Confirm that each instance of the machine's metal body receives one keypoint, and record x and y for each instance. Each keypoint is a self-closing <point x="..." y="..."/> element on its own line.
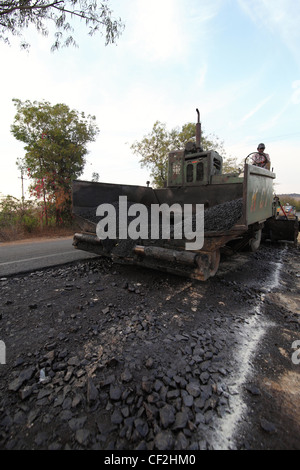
<point x="194" y="177"/>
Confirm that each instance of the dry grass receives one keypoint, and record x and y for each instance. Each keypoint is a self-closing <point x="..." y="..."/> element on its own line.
<point x="9" y="235"/>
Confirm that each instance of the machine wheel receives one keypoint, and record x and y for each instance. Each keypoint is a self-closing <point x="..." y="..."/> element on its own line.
<point x="214" y="262"/>
<point x="208" y="264"/>
<point x="254" y="243"/>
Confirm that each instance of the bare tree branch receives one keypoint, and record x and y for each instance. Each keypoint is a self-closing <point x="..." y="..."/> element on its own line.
<point x="13" y="6"/>
<point x="15" y="16"/>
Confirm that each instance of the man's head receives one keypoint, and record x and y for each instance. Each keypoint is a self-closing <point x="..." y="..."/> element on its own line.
<point x="261" y="148"/>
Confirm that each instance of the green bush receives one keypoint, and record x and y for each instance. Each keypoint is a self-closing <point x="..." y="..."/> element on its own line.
<point x="17" y="216"/>
<point x="290" y="200"/>
<point x="29" y="223"/>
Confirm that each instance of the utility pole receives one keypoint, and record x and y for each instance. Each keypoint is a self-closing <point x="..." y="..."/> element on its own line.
<point x="22" y="180"/>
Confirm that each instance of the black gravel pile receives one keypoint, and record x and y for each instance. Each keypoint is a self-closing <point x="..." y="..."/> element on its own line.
<point x="223" y="216"/>
<point x="216" y="219"/>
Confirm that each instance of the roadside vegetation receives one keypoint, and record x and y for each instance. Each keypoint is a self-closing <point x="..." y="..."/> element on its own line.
<point x="55" y="137"/>
<point x="290" y="199"/>
<point x="56" y="140"/>
<point x="21" y="219"/>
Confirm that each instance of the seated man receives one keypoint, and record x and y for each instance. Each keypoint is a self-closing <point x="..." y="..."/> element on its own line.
<point x="261" y="159"/>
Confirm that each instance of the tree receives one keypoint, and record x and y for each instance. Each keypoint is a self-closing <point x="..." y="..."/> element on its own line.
<point x="56" y="139"/>
<point x="95" y="177"/>
<point x="15" y="16"/>
<point x="231" y="165"/>
<point x="155" y="147"/>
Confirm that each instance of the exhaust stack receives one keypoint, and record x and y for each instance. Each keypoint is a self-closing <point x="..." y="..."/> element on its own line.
<point x="198" y="132"/>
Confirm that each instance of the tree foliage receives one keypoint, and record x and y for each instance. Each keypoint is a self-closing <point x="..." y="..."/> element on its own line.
<point x="56" y="139"/>
<point x="232" y="165"/>
<point x="15" y="16"/>
<point x="155" y="147"/>
<point x="289" y="199"/>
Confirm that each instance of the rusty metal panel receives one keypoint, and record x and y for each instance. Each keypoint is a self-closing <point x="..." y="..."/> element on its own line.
<point x="209" y="195"/>
<point x="258" y="194"/>
<point x="226" y="179"/>
<point x="175" y="168"/>
<point x="88" y="194"/>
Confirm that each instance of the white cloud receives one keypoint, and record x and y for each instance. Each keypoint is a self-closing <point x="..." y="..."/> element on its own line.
<point x="256" y="109"/>
<point x="158" y="34"/>
<point x="281" y="17"/>
<point x="273" y="120"/>
<point x="295" y="99"/>
<point x="168" y="30"/>
<point x="201" y="75"/>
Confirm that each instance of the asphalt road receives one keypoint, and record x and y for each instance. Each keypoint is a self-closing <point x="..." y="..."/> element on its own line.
<point x="20" y="257"/>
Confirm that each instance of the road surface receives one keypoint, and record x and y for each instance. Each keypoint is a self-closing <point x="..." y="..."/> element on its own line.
<point x="20" y="257"/>
<point x="121" y="357"/>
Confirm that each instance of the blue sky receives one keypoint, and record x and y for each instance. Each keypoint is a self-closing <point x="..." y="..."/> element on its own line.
<point x="238" y="61"/>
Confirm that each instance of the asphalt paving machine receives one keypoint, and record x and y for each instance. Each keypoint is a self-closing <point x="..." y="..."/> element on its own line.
<point x="235" y="208"/>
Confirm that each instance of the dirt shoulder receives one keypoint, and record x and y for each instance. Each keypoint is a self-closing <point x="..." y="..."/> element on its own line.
<point x="13" y="236"/>
<point x="35" y="240"/>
